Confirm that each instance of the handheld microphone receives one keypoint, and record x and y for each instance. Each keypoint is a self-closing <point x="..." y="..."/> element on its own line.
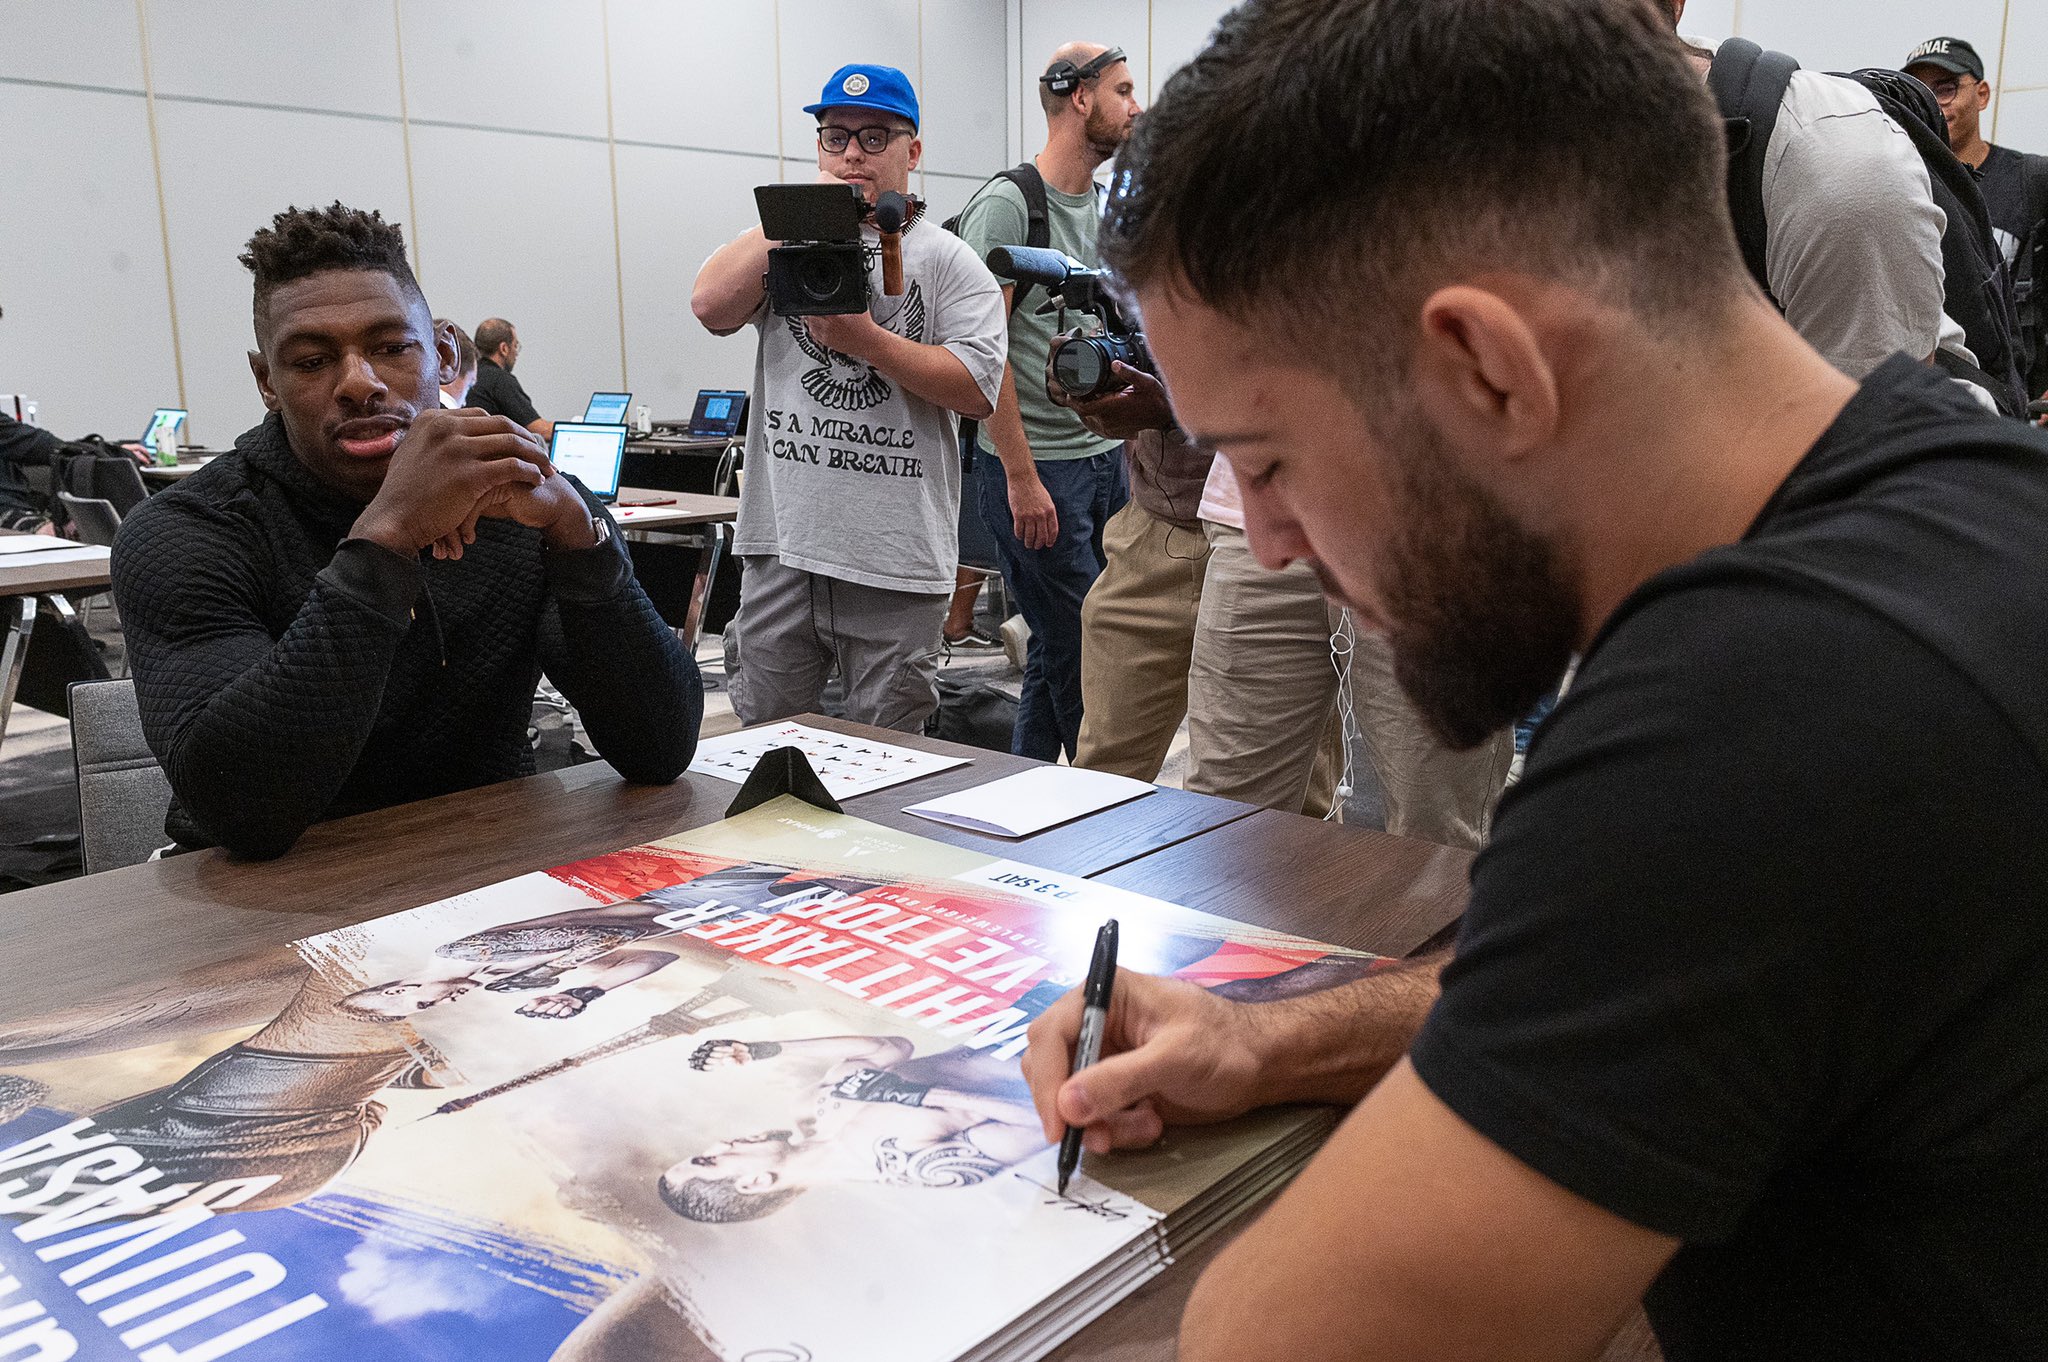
<point x="891" y="209"/>
<point x="1031" y="265"/>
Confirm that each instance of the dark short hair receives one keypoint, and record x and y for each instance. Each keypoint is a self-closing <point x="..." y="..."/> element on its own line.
<point x="303" y="241"/>
<point x="493" y="332"/>
<point x="1323" y="164"/>
<point x="718" y="1201"/>
<point x="465" y="362"/>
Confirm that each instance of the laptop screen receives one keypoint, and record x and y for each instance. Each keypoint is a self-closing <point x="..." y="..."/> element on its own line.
<point x="592" y="453"/>
<point x="719" y="411"/>
<point x="173" y="417"/>
<point x="607" y="408"/>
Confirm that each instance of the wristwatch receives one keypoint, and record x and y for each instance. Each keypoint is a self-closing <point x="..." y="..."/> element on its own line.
<point x="601" y="528"/>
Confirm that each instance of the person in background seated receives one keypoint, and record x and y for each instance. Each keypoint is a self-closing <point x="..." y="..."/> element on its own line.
<point x="495" y="390"/>
<point x="455" y="394"/>
<point x="23" y="446"/>
<point x="298" y="652"/>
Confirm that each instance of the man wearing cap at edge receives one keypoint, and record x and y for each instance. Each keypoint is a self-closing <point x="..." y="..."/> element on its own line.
<point x="849" y="514"/>
<point x="2015" y="183"/>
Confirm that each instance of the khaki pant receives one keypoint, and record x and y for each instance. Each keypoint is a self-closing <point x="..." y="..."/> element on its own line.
<point x="1137" y="636"/>
<point x="1262" y="700"/>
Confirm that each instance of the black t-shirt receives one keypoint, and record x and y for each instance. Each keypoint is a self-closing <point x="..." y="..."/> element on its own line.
<point x="499" y="393"/>
<point x="1758" y="955"/>
<point x="2015" y="194"/>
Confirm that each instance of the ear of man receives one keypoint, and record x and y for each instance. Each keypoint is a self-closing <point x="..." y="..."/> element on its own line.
<point x="1483" y="373"/>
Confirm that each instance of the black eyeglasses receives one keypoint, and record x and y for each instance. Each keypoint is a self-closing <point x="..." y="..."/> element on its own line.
<point x="873" y="141"/>
<point x="1945" y="91"/>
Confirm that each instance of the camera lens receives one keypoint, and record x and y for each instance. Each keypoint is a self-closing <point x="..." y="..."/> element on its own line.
<point x="819" y="276"/>
<point x="1081" y="367"/>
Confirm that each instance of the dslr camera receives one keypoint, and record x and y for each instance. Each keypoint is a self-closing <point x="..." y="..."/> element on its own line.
<point x="1080" y="364"/>
<point x="821" y="269"/>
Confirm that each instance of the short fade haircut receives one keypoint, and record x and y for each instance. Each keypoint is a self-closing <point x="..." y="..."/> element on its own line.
<point x="1322" y="166"/>
<point x="493" y="332"/>
<point x="719" y="1201"/>
<point x="304" y="241"/>
<point x="465" y="362"/>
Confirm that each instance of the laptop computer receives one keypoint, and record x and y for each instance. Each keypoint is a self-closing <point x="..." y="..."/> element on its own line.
<point x="162" y="417"/>
<point x="720" y="413"/>
<point x="606" y="409"/>
<point x="593" y="452"/>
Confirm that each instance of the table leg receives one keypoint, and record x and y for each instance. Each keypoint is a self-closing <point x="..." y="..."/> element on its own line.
<point x="19" y="621"/>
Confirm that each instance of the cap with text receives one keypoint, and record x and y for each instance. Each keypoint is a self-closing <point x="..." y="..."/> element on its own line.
<point x="883" y="88"/>
<point x="1952" y="55"/>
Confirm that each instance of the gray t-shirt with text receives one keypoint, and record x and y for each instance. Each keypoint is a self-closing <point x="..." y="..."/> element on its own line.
<point x="848" y="475"/>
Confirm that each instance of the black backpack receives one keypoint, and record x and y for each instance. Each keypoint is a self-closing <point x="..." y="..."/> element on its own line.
<point x="1749" y="84"/>
<point x="1037" y="214"/>
<point x="2030" y="280"/>
<point x="1037" y="234"/>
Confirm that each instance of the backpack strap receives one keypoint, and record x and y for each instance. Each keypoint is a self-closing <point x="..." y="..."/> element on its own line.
<point x="1749" y="85"/>
<point x="1037" y="216"/>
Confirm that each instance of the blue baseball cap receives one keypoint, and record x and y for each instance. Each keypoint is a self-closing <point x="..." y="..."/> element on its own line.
<point x="859" y="86"/>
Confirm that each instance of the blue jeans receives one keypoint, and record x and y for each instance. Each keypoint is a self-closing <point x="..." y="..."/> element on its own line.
<point x="1048" y="585"/>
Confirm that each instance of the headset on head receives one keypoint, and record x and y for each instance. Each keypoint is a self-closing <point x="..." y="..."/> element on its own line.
<point x="1063" y="77"/>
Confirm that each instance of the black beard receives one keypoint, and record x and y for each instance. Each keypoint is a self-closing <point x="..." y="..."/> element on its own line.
<point x="1481" y="618"/>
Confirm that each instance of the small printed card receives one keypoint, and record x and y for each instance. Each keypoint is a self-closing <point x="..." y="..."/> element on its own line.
<point x="1032" y="801"/>
<point x="848" y="766"/>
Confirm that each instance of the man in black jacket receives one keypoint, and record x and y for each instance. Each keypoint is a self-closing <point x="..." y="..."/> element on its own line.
<point x="298" y="652"/>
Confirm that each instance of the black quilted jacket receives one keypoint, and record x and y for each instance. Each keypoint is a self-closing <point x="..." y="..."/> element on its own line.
<point x="287" y="675"/>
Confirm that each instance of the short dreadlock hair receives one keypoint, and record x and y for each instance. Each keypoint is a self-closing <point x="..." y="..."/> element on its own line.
<point x="303" y="241"/>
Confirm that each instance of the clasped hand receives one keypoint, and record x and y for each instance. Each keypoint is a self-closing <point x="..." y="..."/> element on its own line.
<point x="455" y="468"/>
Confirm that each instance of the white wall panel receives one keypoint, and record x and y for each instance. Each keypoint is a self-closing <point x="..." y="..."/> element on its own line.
<point x="698" y="73"/>
<point x="226" y="172"/>
<point x="87" y="325"/>
<point x="520" y="227"/>
<point x="820" y="36"/>
<point x="2023" y="122"/>
<point x="264" y="52"/>
<point x="1178" y="32"/>
<point x="2026" y="51"/>
<point x="679" y="207"/>
<point x="965" y="128"/>
<point x="535" y="64"/>
<point x="89" y="42"/>
<point x="1841" y="37"/>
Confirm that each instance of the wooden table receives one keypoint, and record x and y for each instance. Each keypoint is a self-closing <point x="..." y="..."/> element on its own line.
<point x="692" y="519"/>
<point x="185" y="467"/>
<point x="22" y="585"/>
<point x="206" y="937"/>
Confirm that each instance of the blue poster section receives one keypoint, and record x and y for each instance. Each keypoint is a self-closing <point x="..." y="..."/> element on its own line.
<point x="391" y="1281"/>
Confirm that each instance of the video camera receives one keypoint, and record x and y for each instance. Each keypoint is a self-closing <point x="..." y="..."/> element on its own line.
<point x="1080" y="364"/>
<point x="821" y="269"/>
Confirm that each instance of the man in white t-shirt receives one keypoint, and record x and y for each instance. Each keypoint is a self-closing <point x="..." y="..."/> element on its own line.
<point x="849" y="513"/>
<point x="1853" y="255"/>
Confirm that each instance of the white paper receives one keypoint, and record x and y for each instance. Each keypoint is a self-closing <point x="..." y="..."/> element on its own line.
<point x="847" y="766"/>
<point x="35" y="543"/>
<point x="1031" y="801"/>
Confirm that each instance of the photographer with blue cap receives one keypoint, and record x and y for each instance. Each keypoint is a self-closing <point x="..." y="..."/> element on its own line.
<point x="849" y="514"/>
